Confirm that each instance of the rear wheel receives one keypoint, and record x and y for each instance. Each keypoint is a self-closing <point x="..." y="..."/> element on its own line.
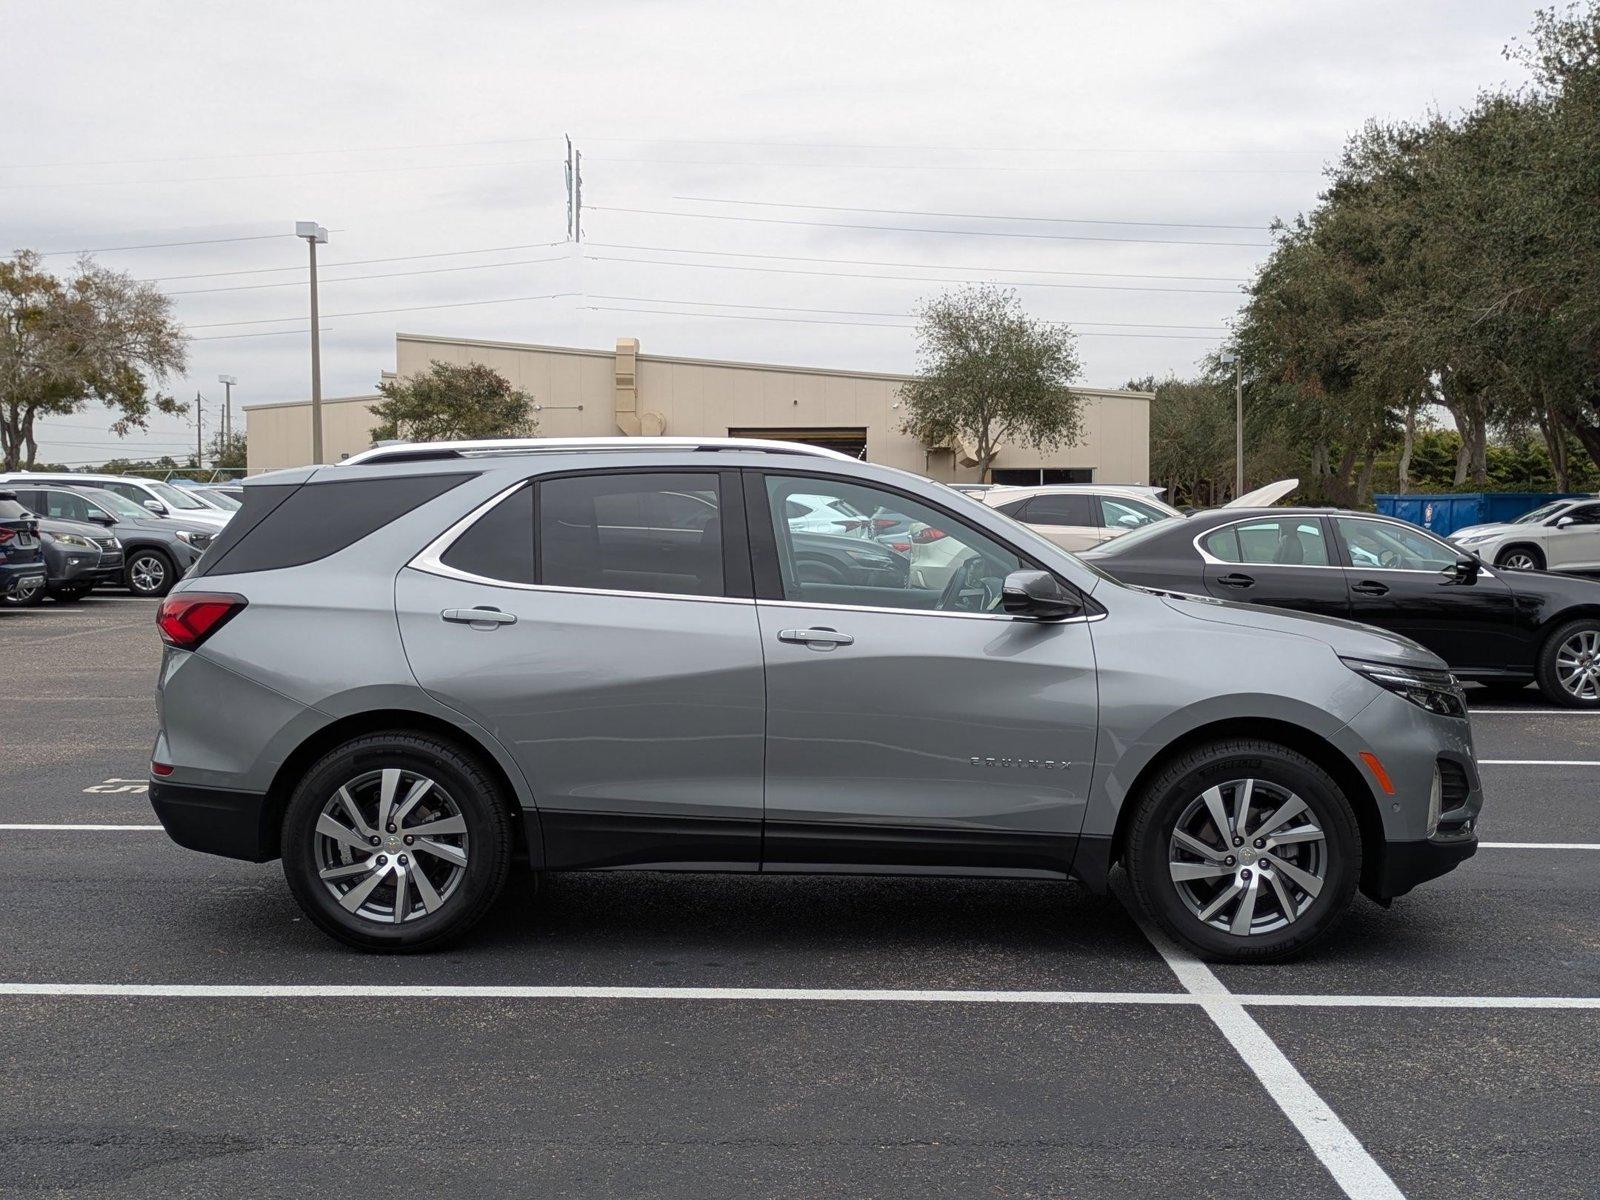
<point x="25" y="595"/>
<point x="1569" y="664"/>
<point x="396" y="842"/>
<point x="1520" y="558"/>
<point x="150" y="573"/>
<point x="1244" y="851"/>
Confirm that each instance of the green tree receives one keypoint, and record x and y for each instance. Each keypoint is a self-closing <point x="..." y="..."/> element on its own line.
<point x="98" y="335"/>
<point x="228" y="452"/>
<point x="989" y="374"/>
<point x="452" y="403"/>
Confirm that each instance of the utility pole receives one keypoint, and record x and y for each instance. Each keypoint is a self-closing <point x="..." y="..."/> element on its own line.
<point x="574" y="169"/>
<point x="1230" y="357"/>
<point x="199" y="433"/>
<point x="227" y="382"/>
<point x="570" y="195"/>
<point x="315" y="235"/>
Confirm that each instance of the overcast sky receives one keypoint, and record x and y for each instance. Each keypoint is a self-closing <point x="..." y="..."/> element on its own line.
<point x="430" y="134"/>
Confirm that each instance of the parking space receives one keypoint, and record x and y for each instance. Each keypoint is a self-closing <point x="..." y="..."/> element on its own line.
<point x="662" y="1035"/>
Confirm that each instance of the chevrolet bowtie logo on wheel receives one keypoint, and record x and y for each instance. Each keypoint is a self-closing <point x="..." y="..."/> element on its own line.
<point x="1045" y="764"/>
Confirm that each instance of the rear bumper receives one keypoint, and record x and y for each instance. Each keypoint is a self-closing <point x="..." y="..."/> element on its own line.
<point x="13" y="577"/>
<point x="1406" y="864"/>
<point x="214" y="821"/>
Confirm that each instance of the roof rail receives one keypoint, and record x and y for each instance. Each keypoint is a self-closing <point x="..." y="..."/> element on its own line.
<point x="424" y="451"/>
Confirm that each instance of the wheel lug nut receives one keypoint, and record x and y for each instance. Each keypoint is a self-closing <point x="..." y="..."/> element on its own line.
<point x="375" y="840"/>
<point x="1229" y="860"/>
<point x="1260" y="842"/>
<point x="402" y="860"/>
<point x="391" y="827"/>
<point x="1245" y="874"/>
<point x="409" y="839"/>
<point x="383" y="860"/>
<point x="1237" y="840"/>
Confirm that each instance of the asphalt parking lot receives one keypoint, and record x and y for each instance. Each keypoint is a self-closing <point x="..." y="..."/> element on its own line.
<point x="169" y="1025"/>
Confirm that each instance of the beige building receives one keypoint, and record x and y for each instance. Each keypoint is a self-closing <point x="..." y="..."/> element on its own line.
<point x="599" y="393"/>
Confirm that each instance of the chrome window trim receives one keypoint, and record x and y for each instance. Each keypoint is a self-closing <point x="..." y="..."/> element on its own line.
<point x="928" y="612"/>
<point x="1409" y="528"/>
<point x="430" y="561"/>
<point x="1219" y="562"/>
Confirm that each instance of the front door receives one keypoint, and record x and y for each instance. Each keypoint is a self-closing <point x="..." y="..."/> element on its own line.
<point x="614" y="651"/>
<point x="1403" y="579"/>
<point x="1283" y="561"/>
<point x="1575" y="547"/>
<point x="914" y="726"/>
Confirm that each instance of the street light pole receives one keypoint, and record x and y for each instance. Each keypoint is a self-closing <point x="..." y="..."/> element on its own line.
<point x="227" y="382"/>
<point x="315" y="235"/>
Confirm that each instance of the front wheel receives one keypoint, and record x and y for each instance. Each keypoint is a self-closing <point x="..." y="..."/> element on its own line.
<point x="1569" y="665"/>
<point x="396" y="842"/>
<point x="1521" y="558"/>
<point x="1244" y="851"/>
<point x="150" y="573"/>
<point x="25" y="595"/>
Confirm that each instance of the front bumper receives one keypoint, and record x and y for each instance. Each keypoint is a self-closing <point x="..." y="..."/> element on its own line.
<point x="13" y="579"/>
<point x="1406" y="864"/>
<point x="215" y="821"/>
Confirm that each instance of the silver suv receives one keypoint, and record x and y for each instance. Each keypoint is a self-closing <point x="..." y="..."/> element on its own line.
<point x="405" y="672"/>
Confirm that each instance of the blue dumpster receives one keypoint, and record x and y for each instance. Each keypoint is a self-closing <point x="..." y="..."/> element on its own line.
<point x="1444" y="513"/>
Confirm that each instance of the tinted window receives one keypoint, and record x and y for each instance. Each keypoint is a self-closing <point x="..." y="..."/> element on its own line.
<point x="1061" y="508"/>
<point x="285" y="525"/>
<point x="126" y="490"/>
<point x="66" y="505"/>
<point x="1584" y="514"/>
<point x="934" y="563"/>
<point x="1385" y="546"/>
<point x="1281" y="541"/>
<point x="499" y="545"/>
<point x="1014" y="510"/>
<point x="1223" y="544"/>
<point x="656" y="532"/>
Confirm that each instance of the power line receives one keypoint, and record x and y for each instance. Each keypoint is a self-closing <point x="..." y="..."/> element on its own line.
<point x="878" y="262"/>
<point x="517" y="162"/>
<point x="128" y="162"/>
<point x="662" y="312"/>
<point x="376" y="311"/>
<point x="959" y="148"/>
<point x="251" y="287"/>
<point x="915" y="212"/>
<point x="228" y="337"/>
<point x="362" y="262"/>
<point x="1056" y="237"/>
<point x="1090" y="287"/>
<point x="837" y="312"/>
<point x="879" y="166"/>
<point x="260" y="237"/>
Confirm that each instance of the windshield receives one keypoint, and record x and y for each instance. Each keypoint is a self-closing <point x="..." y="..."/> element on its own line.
<point x="1136" y="537"/>
<point x="221" y="500"/>
<point x="173" y="496"/>
<point x="117" y="506"/>
<point x="1543" y="513"/>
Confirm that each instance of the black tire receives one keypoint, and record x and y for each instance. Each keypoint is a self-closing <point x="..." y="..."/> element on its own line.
<point x="149" y="573"/>
<point x="1533" y="553"/>
<point x="1147" y="852"/>
<point x="69" y="595"/>
<point x="20" y="599"/>
<point x="1502" y="690"/>
<point x="489" y="839"/>
<point x="1549" y="677"/>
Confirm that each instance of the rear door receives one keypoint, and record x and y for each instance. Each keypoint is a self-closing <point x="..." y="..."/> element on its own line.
<point x="1281" y="560"/>
<point x="600" y="625"/>
<point x="1577" y="546"/>
<point x="1403" y="579"/>
<point x="1069" y="519"/>
<point x="916" y="727"/>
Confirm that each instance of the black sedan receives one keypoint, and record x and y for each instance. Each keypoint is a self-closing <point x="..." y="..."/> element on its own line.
<point x="1504" y="629"/>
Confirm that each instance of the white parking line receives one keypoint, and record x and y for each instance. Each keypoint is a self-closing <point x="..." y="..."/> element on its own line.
<point x="490" y="991"/>
<point x="87" y="828"/>
<point x="1539" y="845"/>
<point x="1539" y="762"/>
<point x="1355" y="1171"/>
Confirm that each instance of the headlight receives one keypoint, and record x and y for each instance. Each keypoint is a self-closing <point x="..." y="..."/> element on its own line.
<point x="72" y="539"/>
<point x="1472" y="539"/>
<point x="1436" y="691"/>
<point x="198" y="540"/>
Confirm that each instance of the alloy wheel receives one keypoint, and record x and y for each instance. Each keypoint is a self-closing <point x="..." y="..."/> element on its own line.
<point x="147" y="573"/>
<point x="1519" y="560"/>
<point x="391" y="846"/>
<point x="1247" y="857"/>
<point x="1578" y="664"/>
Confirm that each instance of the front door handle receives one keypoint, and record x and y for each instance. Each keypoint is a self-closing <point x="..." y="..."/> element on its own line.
<point x="1370" y="587"/>
<point x="485" y="617"/>
<point x="1236" y="580"/>
<point x="817" y="639"/>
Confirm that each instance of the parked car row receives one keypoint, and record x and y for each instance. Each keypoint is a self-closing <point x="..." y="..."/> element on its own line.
<point x="74" y="533"/>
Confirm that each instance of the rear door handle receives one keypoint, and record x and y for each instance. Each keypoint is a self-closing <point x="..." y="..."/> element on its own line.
<point x="479" y="616"/>
<point x="1236" y="580"/>
<point x="1370" y="587"/>
<point x="817" y="639"/>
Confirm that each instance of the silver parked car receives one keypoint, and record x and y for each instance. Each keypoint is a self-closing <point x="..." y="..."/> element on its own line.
<point x="405" y="671"/>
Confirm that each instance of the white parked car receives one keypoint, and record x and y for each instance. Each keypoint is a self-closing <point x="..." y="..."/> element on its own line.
<point x="1563" y="535"/>
<point x="1080" y="516"/>
<point x="825" y="514"/>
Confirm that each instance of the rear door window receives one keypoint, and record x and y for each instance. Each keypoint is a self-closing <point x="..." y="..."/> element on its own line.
<point x="1282" y="542"/>
<point x="655" y="532"/>
<point x="1061" y="509"/>
<point x="499" y="545"/>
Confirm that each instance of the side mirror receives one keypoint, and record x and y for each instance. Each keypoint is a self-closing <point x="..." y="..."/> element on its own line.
<point x="1564" y="522"/>
<point x="156" y="507"/>
<point x="1130" y="520"/>
<point x="100" y="518"/>
<point x="1465" y="570"/>
<point x="1039" y="595"/>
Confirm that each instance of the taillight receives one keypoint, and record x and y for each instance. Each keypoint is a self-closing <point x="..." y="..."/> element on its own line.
<point x="186" y="619"/>
<point x="927" y="534"/>
<point x="901" y="547"/>
<point x="884" y="522"/>
<point x="6" y="535"/>
<point x="851" y="526"/>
